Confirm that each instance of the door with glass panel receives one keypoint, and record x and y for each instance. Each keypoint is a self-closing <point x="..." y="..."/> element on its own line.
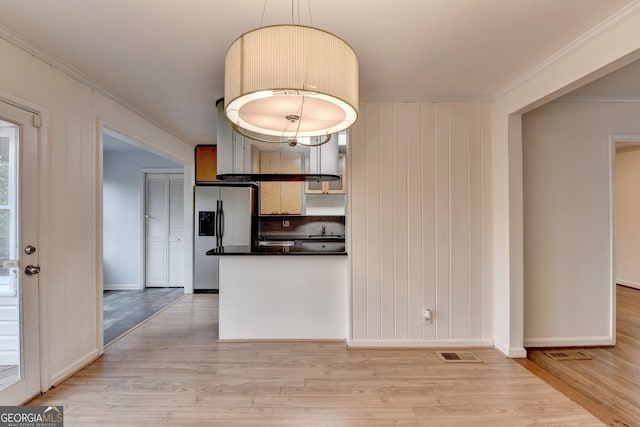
<point x="19" y="268"/>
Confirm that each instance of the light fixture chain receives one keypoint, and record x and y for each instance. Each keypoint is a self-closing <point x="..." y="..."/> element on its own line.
<point x="264" y="9"/>
<point x="310" y="15"/>
<point x="301" y="116"/>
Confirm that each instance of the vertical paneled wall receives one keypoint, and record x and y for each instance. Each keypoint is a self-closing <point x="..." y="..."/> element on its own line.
<point x="69" y="196"/>
<point x="419" y="202"/>
<point x="67" y="235"/>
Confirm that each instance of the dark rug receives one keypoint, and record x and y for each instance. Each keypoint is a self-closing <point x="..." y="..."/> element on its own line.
<point x="124" y="310"/>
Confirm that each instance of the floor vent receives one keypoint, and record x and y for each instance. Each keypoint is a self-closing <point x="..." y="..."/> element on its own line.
<point x="562" y="355"/>
<point x="458" y="357"/>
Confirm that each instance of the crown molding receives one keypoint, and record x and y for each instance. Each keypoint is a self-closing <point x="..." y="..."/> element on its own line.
<point x="434" y="99"/>
<point x="42" y="54"/>
<point x="607" y="99"/>
<point x="622" y="15"/>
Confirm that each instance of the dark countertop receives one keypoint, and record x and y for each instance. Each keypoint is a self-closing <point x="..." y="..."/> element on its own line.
<point x="274" y="250"/>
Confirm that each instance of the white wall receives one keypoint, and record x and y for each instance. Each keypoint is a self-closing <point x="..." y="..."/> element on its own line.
<point x="628" y="218"/>
<point x="567" y="220"/>
<point x="121" y="222"/>
<point x="419" y="194"/>
<point x="70" y="202"/>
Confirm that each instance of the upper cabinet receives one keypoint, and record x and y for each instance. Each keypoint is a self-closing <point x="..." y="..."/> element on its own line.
<point x="206" y="163"/>
<point x="278" y="198"/>
<point x="330" y="187"/>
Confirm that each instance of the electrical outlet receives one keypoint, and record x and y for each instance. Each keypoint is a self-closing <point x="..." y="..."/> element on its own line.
<point x="285" y="223"/>
<point x="427" y="316"/>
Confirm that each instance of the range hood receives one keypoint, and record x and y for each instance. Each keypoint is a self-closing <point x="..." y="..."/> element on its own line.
<point x="241" y="159"/>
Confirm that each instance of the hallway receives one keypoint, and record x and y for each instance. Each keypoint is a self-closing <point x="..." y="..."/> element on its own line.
<point x="124" y="310"/>
<point x="608" y="384"/>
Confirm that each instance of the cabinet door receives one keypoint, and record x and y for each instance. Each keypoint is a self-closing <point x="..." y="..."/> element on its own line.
<point x="269" y="198"/>
<point x="291" y="192"/>
<point x="269" y="191"/>
<point x="280" y="197"/>
<point x="339" y="186"/>
<point x="206" y="163"/>
<point x="269" y="162"/>
<point x="290" y="198"/>
<point x="314" y="187"/>
<point x="290" y="163"/>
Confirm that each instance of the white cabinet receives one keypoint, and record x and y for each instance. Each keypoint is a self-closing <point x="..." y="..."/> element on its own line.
<point x="284" y="297"/>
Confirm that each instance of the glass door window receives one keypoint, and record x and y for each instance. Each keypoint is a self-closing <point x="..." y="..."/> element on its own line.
<point x="9" y="265"/>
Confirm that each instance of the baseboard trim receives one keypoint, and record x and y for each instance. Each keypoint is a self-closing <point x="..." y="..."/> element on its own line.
<point x="569" y="341"/>
<point x="72" y="368"/>
<point x="281" y="340"/>
<point x="628" y="283"/>
<point x="121" y="287"/>
<point x="403" y="344"/>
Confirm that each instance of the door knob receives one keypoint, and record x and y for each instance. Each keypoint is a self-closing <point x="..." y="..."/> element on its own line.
<point x="29" y="249"/>
<point x="31" y="269"/>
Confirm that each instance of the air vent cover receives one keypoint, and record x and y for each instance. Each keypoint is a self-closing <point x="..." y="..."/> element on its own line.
<point x="458" y="357"/>
<point x="562" y="355"/>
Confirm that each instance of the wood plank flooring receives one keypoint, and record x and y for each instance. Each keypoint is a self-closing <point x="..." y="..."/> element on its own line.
<point x="609" y="384"/>
<point x="172" y="371"/>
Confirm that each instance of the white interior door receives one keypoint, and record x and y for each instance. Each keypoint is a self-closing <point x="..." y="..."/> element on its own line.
<point x="176" y="230"/>
<point x="164" y="246"/>
<point x="19" y="332"/>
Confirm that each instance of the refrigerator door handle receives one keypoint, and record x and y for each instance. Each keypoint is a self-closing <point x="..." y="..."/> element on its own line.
<point x="221" y="219"/>
<point x="219" y="223"/>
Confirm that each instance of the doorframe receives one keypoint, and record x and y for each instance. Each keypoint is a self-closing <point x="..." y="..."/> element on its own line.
<point x="43" y="228"/>
<point x="143" y="226"/>
<point x="615" y="138"/>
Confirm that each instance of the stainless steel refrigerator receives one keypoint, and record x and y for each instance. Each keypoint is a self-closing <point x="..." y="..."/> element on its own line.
<point x="225" y="216"/>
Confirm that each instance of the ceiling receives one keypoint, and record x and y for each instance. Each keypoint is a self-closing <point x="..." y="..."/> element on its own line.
<point x="113" y="141"/>
<point x="166" y="59"/>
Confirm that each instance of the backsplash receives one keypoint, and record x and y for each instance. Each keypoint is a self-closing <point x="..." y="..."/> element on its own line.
<point x="300" y="226"/>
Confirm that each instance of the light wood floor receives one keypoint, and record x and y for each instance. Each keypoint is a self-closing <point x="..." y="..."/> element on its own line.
<point x="171" y="371"/>
<point x="609" y="384"/>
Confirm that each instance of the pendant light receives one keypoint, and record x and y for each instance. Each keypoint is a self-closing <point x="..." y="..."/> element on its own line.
<point x="284" y="82"/>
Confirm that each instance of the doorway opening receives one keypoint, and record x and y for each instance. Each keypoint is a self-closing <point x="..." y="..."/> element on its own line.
<point x="143" y="234"/>
<point x="581" y="157"/>
<point x="609" y="375"/>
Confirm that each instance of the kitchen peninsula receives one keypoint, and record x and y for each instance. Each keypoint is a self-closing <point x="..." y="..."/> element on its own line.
<point x="286" y="286"/>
